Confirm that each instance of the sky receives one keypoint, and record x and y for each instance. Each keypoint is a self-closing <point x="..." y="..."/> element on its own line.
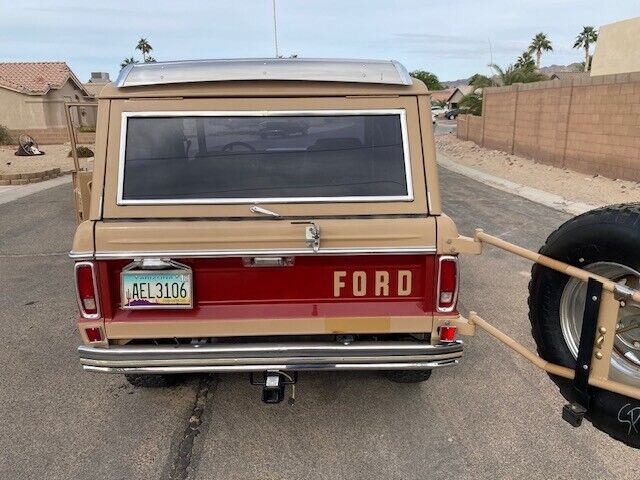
<point x="454" y="38"/>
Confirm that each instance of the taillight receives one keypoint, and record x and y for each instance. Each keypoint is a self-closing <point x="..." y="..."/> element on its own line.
<point x="87" y="291"/>
<point x="93" y="334"/>
<point x="447" y="291"/>
<point x="447" y="333"/>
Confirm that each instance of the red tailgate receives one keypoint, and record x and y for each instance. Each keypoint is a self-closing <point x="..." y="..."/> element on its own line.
<point x="322" y="285"/>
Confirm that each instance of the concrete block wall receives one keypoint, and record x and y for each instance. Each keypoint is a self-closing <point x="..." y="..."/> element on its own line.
<point x="591" y="125"/>
<point x="462" y="129"/>
<point x="540" y="123"/>
<point x="470" y="127"/>
<point x="603" y="134"/>
<point x="475" y="129"/>
<point x="498" y="126"/>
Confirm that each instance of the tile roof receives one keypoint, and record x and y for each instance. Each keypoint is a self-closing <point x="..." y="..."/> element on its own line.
<point x="441" y="94"/>
<point x="463" y="89"/>
<point x="36" y="78"/>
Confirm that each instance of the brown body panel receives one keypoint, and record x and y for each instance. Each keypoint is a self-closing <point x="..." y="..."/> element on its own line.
<point x="373" y="283"/>
<point x="130" y="239"/>
<point x="417" y="206"/>
<point x="133" y="231"/>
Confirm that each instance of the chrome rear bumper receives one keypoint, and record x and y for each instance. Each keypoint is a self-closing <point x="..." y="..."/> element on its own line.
<point x="258" y="357"/>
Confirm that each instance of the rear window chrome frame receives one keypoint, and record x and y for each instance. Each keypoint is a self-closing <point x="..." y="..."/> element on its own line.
<point x="401" y="112"/>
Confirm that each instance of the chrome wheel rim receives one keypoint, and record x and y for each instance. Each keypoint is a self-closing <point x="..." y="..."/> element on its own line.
<point x="625" y="359"/>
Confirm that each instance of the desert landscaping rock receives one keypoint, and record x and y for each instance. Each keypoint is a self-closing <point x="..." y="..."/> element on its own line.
<point x="577" y="187"/>
<point x="52" y="163"/>
<point x="38" y="168"/>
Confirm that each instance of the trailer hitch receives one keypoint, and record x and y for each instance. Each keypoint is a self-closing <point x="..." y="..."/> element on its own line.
<point x="273" y="384"/>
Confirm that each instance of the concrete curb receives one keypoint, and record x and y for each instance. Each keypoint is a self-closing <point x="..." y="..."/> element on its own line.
<point x="547" y="199"/>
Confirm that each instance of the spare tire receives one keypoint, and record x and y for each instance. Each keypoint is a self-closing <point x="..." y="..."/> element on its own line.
<point x="605" y="241"/>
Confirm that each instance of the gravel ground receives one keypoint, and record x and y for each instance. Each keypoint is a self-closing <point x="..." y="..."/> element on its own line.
<point x="55" y="157"/>
<point x="594" y="190"/>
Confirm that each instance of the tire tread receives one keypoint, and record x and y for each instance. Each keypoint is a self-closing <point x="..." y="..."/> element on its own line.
<point x="626" y="215"/>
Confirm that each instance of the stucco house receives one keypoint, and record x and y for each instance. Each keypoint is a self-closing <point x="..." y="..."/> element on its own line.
<point x="97" y="82"/>
<point x="617" y="48"/>
<point x="32" y="97"/>
<point x="458" y="94"/>
<point x="441" y="95"/>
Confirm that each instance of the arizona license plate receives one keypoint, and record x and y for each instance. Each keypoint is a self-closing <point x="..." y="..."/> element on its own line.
<point x="156" y="289"/>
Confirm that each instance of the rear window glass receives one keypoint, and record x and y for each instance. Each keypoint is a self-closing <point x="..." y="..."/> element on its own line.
<point x="238" y="158"/>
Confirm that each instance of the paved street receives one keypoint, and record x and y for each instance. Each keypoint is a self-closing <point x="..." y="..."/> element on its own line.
<point x="445" y="126"/>
<point x="494" y="416"/>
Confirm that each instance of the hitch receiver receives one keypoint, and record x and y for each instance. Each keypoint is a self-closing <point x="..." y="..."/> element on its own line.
<point x="273" y="385"/>
<point x="273" y="390"/>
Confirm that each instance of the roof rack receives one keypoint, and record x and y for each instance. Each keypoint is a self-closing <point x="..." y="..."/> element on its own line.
<point x="307" y="69"/>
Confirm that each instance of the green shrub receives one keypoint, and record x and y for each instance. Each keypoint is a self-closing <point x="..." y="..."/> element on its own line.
<point x="83" y="152"/>
<point x="471" y="104"/>
<point x="5" y="138"/>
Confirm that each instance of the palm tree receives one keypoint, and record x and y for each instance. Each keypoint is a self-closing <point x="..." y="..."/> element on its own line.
<point x="513" y="74"/>
<point x="128" y="61"/>
<point x="525" y="61"/>
<point x="540" y="43"/>
<point x="145" y="47"/>
<point x="587" y="36"/>
<point x="478" y="80"/>
<point x="471" y="103"/>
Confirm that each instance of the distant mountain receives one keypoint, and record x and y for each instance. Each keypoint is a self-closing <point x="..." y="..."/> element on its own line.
<point x="548" y="71"/>
<point x="455" y="83"/>
<point x="551" y="69"/>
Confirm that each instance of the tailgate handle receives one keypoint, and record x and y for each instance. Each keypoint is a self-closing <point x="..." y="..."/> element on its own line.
<point x="311" y="235"/>
<point x="267" y="261"/>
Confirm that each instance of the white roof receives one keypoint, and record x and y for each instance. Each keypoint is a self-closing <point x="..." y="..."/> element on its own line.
<point x="309" y="69"/>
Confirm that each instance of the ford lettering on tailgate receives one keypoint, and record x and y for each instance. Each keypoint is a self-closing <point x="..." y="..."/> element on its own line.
<point x="357" y="284"/>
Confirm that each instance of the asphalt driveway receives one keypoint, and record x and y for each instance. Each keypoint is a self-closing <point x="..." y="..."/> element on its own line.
<point x="494" y="416"/>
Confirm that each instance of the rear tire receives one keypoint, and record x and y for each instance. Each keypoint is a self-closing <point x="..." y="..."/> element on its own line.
<point x="603" y="238"/>
<point x="407" y="376"/>
<point x="153" y="381"/>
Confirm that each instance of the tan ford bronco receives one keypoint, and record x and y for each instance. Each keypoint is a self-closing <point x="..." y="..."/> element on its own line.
<point x="283" y="215"/>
